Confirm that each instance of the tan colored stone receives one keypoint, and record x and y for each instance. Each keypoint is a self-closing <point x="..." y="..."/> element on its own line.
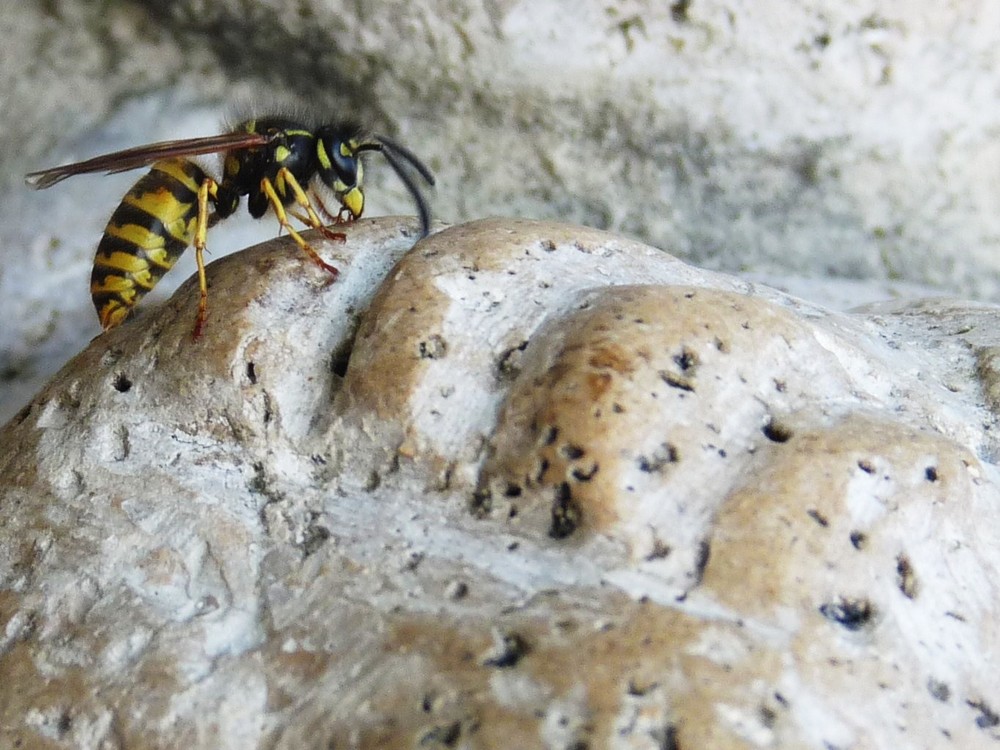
<point x="256" y="539"/>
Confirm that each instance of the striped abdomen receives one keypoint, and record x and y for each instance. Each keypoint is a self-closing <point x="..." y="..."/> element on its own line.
<point x="147" y="233"/>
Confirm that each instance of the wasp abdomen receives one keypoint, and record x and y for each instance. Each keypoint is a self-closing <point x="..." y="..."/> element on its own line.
<point x="147" y="233"/>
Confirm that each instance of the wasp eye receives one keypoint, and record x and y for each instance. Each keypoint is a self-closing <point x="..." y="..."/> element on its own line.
<point x="344" y="162"/>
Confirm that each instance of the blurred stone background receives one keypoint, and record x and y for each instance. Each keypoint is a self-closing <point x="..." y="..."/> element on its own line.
<point x="843" y="150"/>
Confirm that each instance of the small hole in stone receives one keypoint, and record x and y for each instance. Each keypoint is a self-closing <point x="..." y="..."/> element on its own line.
<point x="513" y="490"/>
<point x="987" y="718"/>
<point x="341" y="357"/>
<point x="701" y="561"/>
<point x="859" y="539"/>
<point x="122" y="383"/>
<point x="776" y="431"/>
<point x="931" y="473"/>
<point x="251" y="373"/>
<point x="687" y="359"/>
<point x="906" y="578"/>
<point x="572" y="452"/>
<point x="853" y="614"/>
<point x="939" y="690"/>
<point x="565" y="513"/>
<point x="866" y="466"/>
<point x="818" y="517"/>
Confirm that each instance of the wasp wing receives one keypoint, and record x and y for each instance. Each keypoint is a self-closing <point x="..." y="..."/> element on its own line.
<point x="141" y="156"/>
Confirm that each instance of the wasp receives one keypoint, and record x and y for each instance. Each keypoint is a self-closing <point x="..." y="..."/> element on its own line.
<point x="272" y="160"/>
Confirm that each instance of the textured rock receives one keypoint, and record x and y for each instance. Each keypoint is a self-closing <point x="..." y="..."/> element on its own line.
<point x="524" y="485"/>
<point x="853" y="140"/>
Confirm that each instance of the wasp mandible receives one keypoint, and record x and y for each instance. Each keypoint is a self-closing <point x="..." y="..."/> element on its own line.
<point x="272" y="160"/>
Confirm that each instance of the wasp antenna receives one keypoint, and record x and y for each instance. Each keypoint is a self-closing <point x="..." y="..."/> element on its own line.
<point x="384" y="144"/>
<point x="422" y="208"/>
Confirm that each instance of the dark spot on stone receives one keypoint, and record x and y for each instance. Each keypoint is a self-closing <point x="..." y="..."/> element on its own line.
<point x="866" y="466"/>
<point x="687" y="359"/>
<point x="543" y="466"/>
<point x="481" y="502"/>
<point x="572" y="452"/>
<point x="638" y="690"/>
<point x="434" y="347"/>
<point x="906" y="578"/>
<point x="818" y="517"/>
<point x="267" y="408"/>
<point x="547" y="245"/>
<point x="551" y="433"/>
<point x="251" y="373"/>
<point x="852" y="614"/>
<point x="509" y="363"/>
<point x="701" y="560"/>
<point x="859" y="539"/>
<point x="767" y="716"/>
<point x="314" y="538"/>
<point x="665" y="454"/>
<point x="660" y="550"/>
<point x="510" y="648"/>
<point x="822" y="41"/>
<point x="987" y="718"/>
<point x="341" y="358"/>
<point x="666" y="738"/>
<point x="446" y="735"/>
<point x="617" y="408"/>
<point x="931" y="474"/>
<point x="675" y="380"/>
<point x="584" y="475"/>
<point x="512" y="490"/>
<point x="679" y="11"/>
<point x="776" y="432"/>
<point x="939" y="690"/>
<point x="566" y="514"/>
<point x="122" y="384"/>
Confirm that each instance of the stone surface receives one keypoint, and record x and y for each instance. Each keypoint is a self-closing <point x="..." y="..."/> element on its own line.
<point x="523" y="485"/>
<point x="848" y="140"/>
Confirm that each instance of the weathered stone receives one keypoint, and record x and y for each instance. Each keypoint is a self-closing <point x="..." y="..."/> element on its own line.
<point x="522" y="485"/>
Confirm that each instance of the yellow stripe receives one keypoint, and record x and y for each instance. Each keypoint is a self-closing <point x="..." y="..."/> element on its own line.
<point x="112" y="314"/>
<point x="119" y="285"/>
<point x="120" y="260"/>
<point x="116" y="285"/>
<point x="180" y="170"/>
<point x="136" y="235"/>
<point x="164" y="206"/>
<point x="324" y="158"/>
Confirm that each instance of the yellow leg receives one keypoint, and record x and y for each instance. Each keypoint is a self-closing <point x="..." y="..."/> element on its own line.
<point x="279" y="211"/>
<point x="313" y="220"/>
<point x="208" y="188"/>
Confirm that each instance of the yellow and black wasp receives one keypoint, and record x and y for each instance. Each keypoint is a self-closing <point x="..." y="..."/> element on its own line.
<point x="272" y="160"/>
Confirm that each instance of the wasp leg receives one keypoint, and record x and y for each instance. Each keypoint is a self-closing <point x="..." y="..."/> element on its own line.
<point x="285" y="176"/>
<point x="208" y="189"/>
<point x="279" y="211"/>
<point x="322" y="229"/>
<point x="343" y="216"/>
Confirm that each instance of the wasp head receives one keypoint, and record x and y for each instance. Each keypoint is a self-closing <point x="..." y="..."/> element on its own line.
<point x="340" y="169"/>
